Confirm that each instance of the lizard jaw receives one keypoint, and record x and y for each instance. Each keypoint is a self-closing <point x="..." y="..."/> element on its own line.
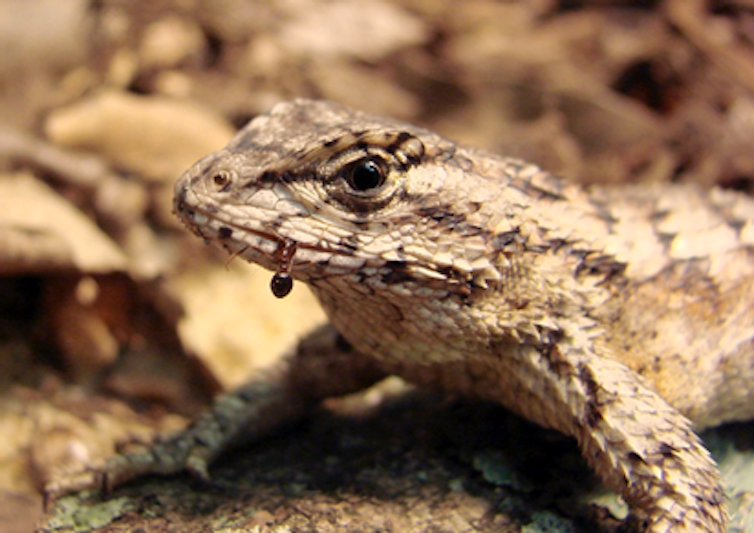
<point x="260" y="247"/>
<point x="258" y="243"/>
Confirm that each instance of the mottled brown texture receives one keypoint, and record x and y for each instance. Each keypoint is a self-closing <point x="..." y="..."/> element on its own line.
<point x="619" y="316"/>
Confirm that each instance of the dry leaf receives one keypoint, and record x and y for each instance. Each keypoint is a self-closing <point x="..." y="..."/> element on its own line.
<point x="40" y="231"/>
<point x="360" y="30"/>
<point x="234" y="324"/>
<point x="155" y="137"/>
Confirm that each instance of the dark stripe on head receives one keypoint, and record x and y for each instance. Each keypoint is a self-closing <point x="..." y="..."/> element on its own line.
<point x="267" y="178"/>
<point x="445" y="217"/>
<point x="398" y="142"/>
<point x="397" y="272"/>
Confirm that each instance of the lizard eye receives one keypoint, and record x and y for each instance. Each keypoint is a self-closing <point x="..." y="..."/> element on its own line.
<point x="365" y="175"/>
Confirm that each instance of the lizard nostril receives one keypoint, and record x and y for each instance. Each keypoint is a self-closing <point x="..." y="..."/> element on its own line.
<point x="222" y="179"/>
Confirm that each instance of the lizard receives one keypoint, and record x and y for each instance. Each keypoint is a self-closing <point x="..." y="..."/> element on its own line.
<point x="621" y="316"/>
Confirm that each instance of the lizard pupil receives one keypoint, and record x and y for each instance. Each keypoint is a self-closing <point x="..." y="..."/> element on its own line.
<point x="365" y="175"/>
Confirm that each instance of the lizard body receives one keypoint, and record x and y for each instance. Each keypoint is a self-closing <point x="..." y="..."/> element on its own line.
<point x="621" y="316"/>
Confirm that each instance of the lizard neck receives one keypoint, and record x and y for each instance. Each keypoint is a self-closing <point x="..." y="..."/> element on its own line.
<point x="395" y="328"/>
<point x="410" y="322"/>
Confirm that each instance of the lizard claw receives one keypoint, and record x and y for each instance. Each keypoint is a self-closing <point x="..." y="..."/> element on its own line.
<point x="197" y="466"/>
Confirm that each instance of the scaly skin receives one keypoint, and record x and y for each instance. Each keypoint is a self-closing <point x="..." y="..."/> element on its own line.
<point x="620" y="316"/>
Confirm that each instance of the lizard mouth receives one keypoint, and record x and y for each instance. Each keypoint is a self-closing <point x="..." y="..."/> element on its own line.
<point x="254" y="245"/>
<point x="242" y="231"/>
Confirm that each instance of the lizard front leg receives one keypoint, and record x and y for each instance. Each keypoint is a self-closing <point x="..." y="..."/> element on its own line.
<point x="638" y="444"/>
<point x="324" y="365"/>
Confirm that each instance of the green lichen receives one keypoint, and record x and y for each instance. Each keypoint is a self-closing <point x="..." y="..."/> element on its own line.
<point x="81" y="515"/>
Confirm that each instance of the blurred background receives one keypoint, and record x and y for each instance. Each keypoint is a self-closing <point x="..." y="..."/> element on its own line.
<point x="116" y="324"/>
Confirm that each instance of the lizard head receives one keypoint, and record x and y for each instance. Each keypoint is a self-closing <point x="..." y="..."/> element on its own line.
<point x="313" y="190"/>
